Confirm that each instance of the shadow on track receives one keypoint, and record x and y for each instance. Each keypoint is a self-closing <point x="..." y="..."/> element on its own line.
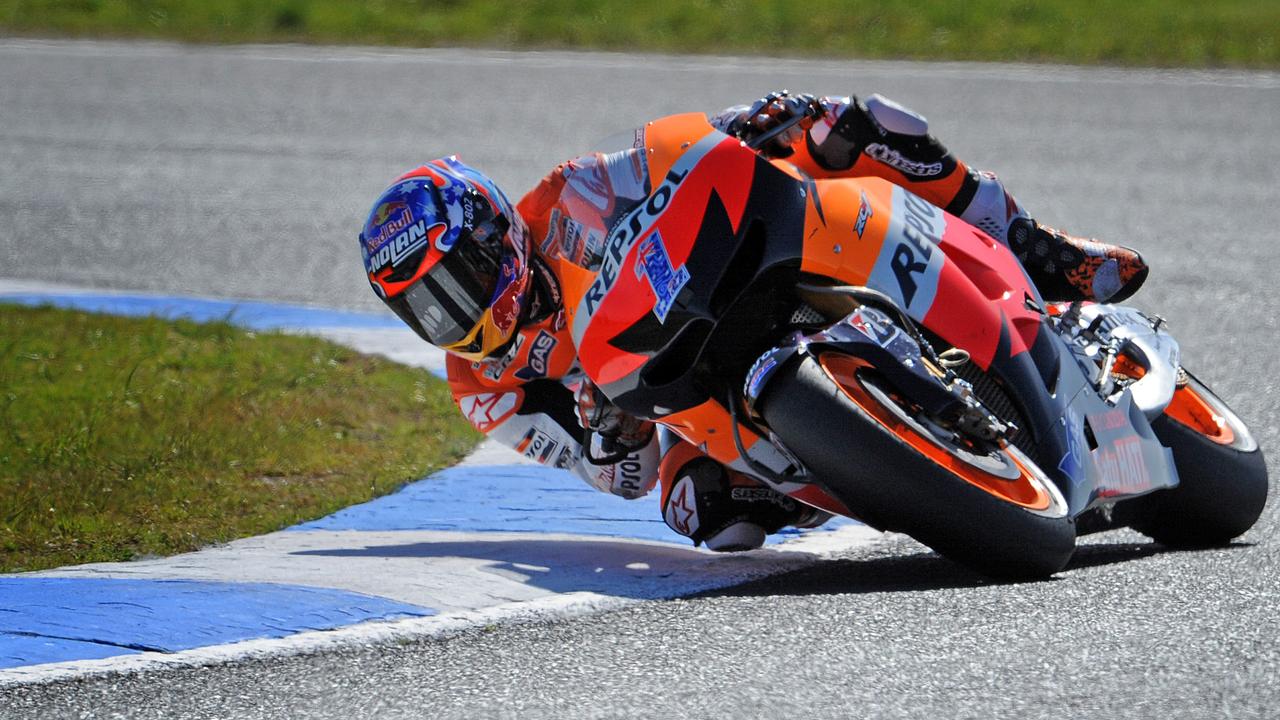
<point x="649" y="570"/>
<point x="620" y="569"/>
<point x="922" y="571"/>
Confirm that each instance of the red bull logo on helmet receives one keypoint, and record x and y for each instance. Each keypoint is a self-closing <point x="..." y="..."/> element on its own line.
<point x="507" y="299"/>
<point x="388" y="219"/>
<point x="403" y="245"/>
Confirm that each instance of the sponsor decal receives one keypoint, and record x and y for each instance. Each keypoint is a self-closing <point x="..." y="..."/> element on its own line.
<point x="468" y="212"/>
<point x="761" y="494"/>
<point x="507" y="301"/>
<point x="864" y="214"/>
<point x="910" y="261"/>
<point x="623" y="478"/>
<point x="652" y="262"/>
<point x="592" y="247"/>
<point x="539" y="356"/>
<point x="566" y="459"/>
<point x="1072" y="462"/>
<point x="682" y="512"/>
<point x="604" y="478"/>
<point x="1122" y="467"/>
<point x="413" y="239"/>
<point x="487" y="410"/>
<point x="1110" y="420"/>
<point x="894" y="159"/>
<point x="759" y="372"/>
<point x="622" y="239"/>
<point x="912" y="257"/>
<point x="553" y="224"/>
<point x="495" y="368"/>
<point x="880" y="332"/>
<point x="629" y="474"/>
<point x="388" y="219"/>
<point x="572" y="236"/>
<point x="635" y="224"/>
<point x="538" y="445"/>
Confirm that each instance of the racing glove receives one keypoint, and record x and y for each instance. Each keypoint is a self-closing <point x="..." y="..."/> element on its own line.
<point x="767" y="113"/>
<point x="616" y="428"/>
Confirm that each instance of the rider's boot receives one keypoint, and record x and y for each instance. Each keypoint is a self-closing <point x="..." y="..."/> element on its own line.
<point x="729" y="511"/>
<point x="1067" y="268"/>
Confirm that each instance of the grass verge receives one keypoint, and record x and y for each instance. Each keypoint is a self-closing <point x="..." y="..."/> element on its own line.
<point x="126" y="437"/>
<point x="1190" y="33"/>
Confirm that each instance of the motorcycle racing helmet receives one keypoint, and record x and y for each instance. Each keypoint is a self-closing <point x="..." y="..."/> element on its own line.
<point x="447" y="252"/>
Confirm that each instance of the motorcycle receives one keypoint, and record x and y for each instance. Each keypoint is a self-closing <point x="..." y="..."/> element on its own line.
<point x="863" y="351"/>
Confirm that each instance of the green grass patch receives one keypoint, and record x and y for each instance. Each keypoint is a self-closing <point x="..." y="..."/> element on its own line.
<point x="1191" y="33"/>
<point x="127" y="437"/>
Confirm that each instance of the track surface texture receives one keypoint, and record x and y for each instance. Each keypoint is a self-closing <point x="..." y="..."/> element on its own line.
<point x="246" y="172"/>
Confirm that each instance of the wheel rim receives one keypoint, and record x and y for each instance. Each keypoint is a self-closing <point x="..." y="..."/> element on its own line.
<point x="1195" y="407"/>
<point x="1013" y="478"/>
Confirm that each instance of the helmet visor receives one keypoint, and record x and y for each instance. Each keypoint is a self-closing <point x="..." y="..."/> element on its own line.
<point x="448" y="303"/>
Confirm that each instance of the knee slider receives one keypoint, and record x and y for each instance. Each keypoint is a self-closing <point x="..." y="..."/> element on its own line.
<point x="706" y="505"/>
<point x="691" y="506"/>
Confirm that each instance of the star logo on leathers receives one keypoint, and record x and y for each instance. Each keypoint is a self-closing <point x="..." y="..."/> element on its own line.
<point x="488" y="409"/>
<point x="682" y="513"/>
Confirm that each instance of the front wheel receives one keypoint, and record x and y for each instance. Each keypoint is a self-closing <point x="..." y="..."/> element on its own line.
<point x="1222" y="476"/>
<point x="986" y="506"/>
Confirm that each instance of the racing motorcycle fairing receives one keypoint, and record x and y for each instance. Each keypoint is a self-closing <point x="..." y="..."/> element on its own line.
<point x="944" y="273"/>
<point x="721" y="226"/>
<point x="698" y="280"/>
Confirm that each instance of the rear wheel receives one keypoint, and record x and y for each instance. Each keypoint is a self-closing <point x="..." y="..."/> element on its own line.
<point x="1222" y="475"/>
<point x="986" y="506"/>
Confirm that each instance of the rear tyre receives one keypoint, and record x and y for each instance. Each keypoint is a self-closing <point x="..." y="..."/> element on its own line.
<point x="1222" y="474"/>
<point x="989" y="508"/>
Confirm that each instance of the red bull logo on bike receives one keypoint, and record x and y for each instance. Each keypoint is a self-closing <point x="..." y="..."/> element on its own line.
<point x="653" y="263"/>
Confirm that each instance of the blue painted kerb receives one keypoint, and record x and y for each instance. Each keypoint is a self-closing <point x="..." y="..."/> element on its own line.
<point x="515" y="498"/>
<point x="52" y="619"/>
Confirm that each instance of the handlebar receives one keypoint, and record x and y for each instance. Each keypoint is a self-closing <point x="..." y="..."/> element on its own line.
<point x="812" y="112"/>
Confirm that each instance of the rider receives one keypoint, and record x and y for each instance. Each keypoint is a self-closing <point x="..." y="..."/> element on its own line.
<point x="445" y="249"/>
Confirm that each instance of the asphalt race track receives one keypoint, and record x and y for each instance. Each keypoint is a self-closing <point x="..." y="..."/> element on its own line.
<point x="245" y="172"/>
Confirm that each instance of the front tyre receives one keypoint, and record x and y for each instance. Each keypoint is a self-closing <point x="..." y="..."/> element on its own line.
<point x="987" y="507"/>
<point x="1222" y="475"/>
